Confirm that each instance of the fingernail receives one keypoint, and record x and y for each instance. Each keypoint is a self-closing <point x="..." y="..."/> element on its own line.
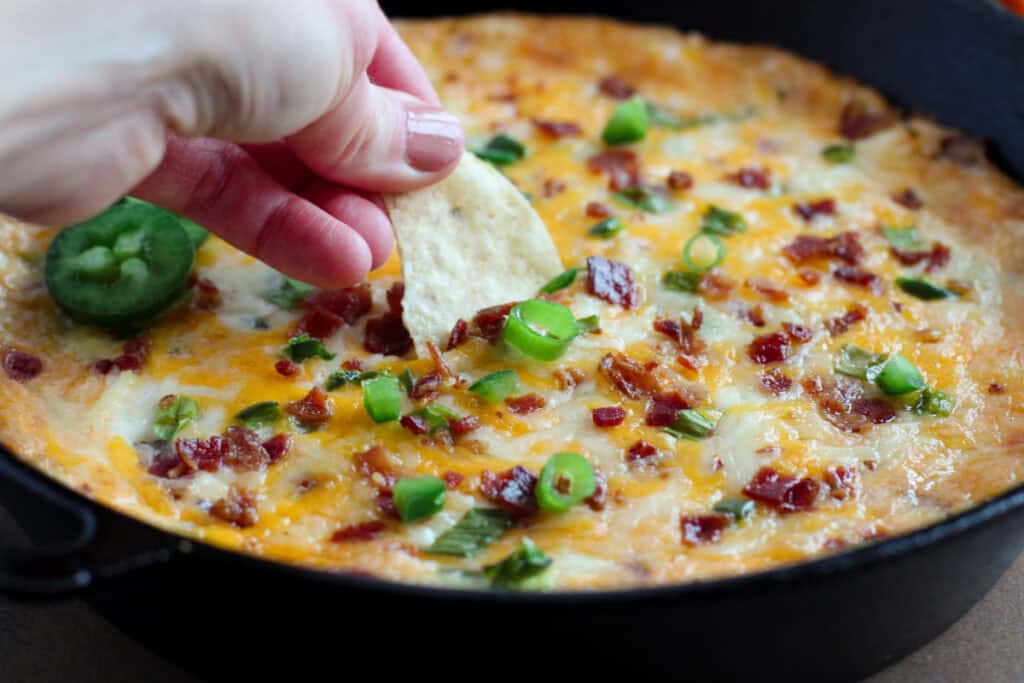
<point x="433" y="139"/>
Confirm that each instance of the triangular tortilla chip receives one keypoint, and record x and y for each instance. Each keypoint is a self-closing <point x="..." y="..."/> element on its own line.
<point x="466" y="243"/>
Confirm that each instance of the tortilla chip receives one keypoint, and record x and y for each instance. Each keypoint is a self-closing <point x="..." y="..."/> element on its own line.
<point x="466" y="243"/>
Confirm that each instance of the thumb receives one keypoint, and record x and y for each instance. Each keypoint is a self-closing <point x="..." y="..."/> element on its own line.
<point x="381" y="139"/>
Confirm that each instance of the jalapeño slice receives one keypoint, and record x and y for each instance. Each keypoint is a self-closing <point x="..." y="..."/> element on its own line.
<point x="122" y="268"/>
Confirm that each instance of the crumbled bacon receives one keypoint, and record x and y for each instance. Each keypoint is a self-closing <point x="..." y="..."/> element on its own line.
<point x="353" y="364"/>
<point x="313" y="409"/>
<point x="629" y="377"/>
<point x="821" y="207"/>
<point x="387" y="335"/>
<point x="775" y="381"/>
<point x="163" y="459"/>
<point x="597" y="210"/>
<point x="641" y="452"/>
<point x="769" y="348"/>
<point x="318" y="323"/>
<point x="278" y="446"/>
<point x="858" y="120"/>
<point x="512" y="490"/>
<point x="488" y="322"/>
<point x="664" y="409"/>
<point x="799" y="334"/>
<point x="452" y="479"/>
<point x="679" y="180"/>
<point x="608" y="416"/>
<point x="753" y="315"/>
<point x="697" y="529"/>
<point x="286" y="368"/>
<point x="842" y="402"/>
<point x="615" y="87"/>
<point x="768" y="289"/>
<point x="569" y="377"/>
<point x="845" y="247"/>
<point x="714" y="285"/>
<point x="961" y="150"/>
<point x="208" y="296"/>
<point x="201" y="454"/>
<point x="364" y="531"/>
<point x="460" y="333"/>
<point x="753" y="178"/>
<point x="558" y="129"/>
<point x="843" y="482"/>
<point x="246" y="452"/>
<point x="996" y="388"/>
<point x="417" y="424"/>
<point x="134" y="355"/>
<point x="426" y="387"/>
<point x="553" y="187"/>
<point x="464" y="425"/>
<point x="908" y="198"/>
<point x="349" y="304"/>
<point x="612" y="281"/>
<point x="840" y="324"/>
<point x="375" y="465"/>
<point x="684" y="334"/>
<point x="599" y="497"/>
<point x="395" y="294"/>
<point x="237" y="508"/>
<point x="783" y="492"/>
<point x="858" y="277"/>
<point x="622" y="166"/>
<point x="21" y="366"/>
<point x="934" y="258"/>
<point x="525" y="404"/>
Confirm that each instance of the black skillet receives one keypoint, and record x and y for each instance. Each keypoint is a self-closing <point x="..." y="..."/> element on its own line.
<point x="228" y="616"/>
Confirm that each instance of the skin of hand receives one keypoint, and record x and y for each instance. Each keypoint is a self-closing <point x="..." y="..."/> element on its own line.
<point x="275" y="124"/>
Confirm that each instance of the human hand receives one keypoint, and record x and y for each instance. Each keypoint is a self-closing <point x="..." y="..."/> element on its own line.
<point x="272" y="124"/>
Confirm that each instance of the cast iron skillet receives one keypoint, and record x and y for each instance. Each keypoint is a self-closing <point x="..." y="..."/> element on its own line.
<point x="223" y="614"/>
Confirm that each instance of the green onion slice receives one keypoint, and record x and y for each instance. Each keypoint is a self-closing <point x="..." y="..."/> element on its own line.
<point x="497" y="386"/>
<point x="627" y="124"/>
<point x="924" y="290"/>
<point x="287" y="293"/>
<point x="606" y="229"/>
<point x="679" y="281"/>
<point x="854" y="361"/>
<point x="899" y="376"/>
<point x="259" y="414"/>
<point x="407" y="379"/>
<point x="477" y="529"/>
<point x="566" y="479"/>
<point x="703" y="252"/>
<point x="645" y="198"/>
<point x="502" y="150"/>
<point x="839" y="154"/>
<point x="540" y="329"/>
<point x="934" y="402"/>
<point x="172" y="418"/>
<point x="740" y="509"/>
<point x="904" y="239"/>
<point x="343" y="377"/>
<point x="302" y="347"/>
<point x="691" y="424"/>
<point x="718" y="221"/>
<point x="382" y="398"/>
<point x="526" y="563"/>
<point x="589" y="324"/>
<point x="560" y="281"/>
<point x="417" y="498"/>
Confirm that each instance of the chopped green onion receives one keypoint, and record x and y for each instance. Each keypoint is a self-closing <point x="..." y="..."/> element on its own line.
<point x="857" y="362"/>
<point x="899" y="376"/>
<point x="259" y="414"/>
<point x="560" y="281"/>
<point x="644" y="198"/>
<point x="419" y="497"/>
<point x="924" y="290"/>
<point x="740" y="509"/>
<point x="527" y="562"/>
<point x="591" y="323"/>
<point x="606" y="229"/>
<point x="502" y="150"/>
<point x="343" y="377"/>
<point x="839" y="154"/>
<point x="904" y="239"/>
<point x="436" y="415"/>
<point x="703" y="252"/>
<point x="172" y="418"/>
<point x="934" y="402"/>
<point x="302" y="347"/>
<point x="627" y="124"/>
<point x="497" y="386"/>
<point x="382" y="398"/>
<point x="288" y="292"/>
<point x="477" y="529"/>
<point x="678" y="281"/>
<point x="718" y="221"/>
<point x="407" y="379"/>
<point x="540" y="329"/>
<point x="566" y="479"/>
<point x="691" y="424"/>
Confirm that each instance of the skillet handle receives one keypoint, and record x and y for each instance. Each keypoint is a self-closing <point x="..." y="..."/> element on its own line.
<point x="76" y="545"/>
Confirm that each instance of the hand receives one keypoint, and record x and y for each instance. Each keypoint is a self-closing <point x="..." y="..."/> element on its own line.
<point x="274" y="124"/>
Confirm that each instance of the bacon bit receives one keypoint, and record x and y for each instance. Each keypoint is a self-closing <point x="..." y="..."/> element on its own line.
<point x="452" y="479"/>
<point x="996" y="388"/>
<point x="553" y="187"/>
<point x="460" y="332"/>
<point x="843" y="481"/>
<point x="857" y="121"/>
<point x="569" y="377"/>
<point x="821" y="207"/>
<point x="426" y="387"/>
<point x="558" y="129"/>
<point x="714" y="285"/>
<point x="439" y="365"/>
<point x="615" y="87"/>
<point x="278" y="446"/>
<point x="349" y="304"/>
<point x="859" y="277"/>
<point x="525" y="404"/>
<point x="935" y="258"/>
<point x="488" y="322"/>
<point x="374" y="464"/>
<point x="387" y="335"/>
<point x="641" y="452"/>
<point x="134" y="355"/>
<point x="599" y="497"/>
<point x="318" y="323"/>
<point x="845" y="247"/>
<point x="364" y="531"/>
<point x="679" y="180"/>
<point x="395" y="294"/>
<point x="163" y="459"/>
<point x="798" y="333"/>
<point x="353" y="364"/>
<point x="699" y="529"/>
<point x="783" y="492"/>
<point x="237" y="508"/>
<point x="201" y="454"/>
<point x="608" y="416"/>
<point x="684" y="334"/>
<point x="386" y="503"/>
<point x="464" y="425"/>
<point x="313" y="409"/>
<point x="870" y="465"/>
<point x="768" y="289"/>
<point x="622" y="166"/>
<point x="628" y="376"/>
<point x="809" y="277"/>
<point x="208" y="296"/>
<point x="908" y="198"/>
<point x="21" y="366"/>
<point x="961" y="150"/>
<point x="775" y="382"/>
<point x="417" y="424"/>
<point x="512" y="490"/>
<point x="753" y="314"/>
<point x="928" y="335"/>
<point x="752" y="178"/>
<point x="597" y="210"/>
<point x="854" y="314"/>
<point x="286" y="368"/>
<point x="842" y="402"/>
<point x="612" y="281"/>
<point x="874" y="410"/>
<point x="246" y="452"/>
<point x="769" y="348"/>
<point x="664" y="409"/>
